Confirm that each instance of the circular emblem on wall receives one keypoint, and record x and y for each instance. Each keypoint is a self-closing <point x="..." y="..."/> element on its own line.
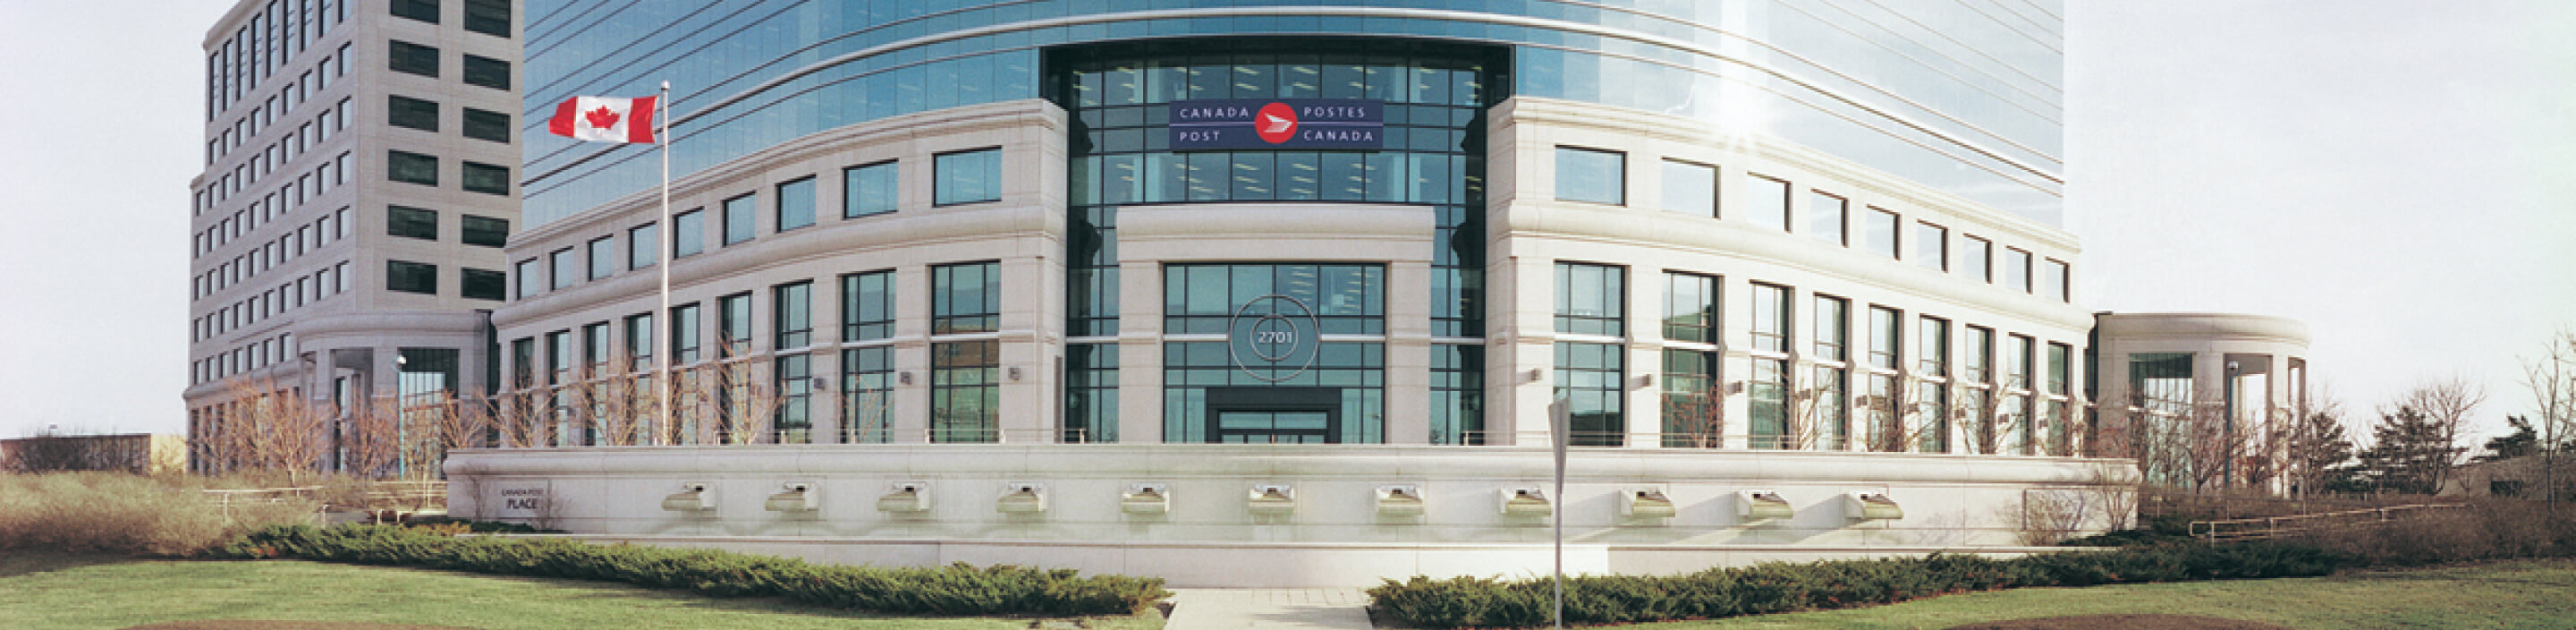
<point x="1275" y="123"/>
<point x="1272" y="338"/>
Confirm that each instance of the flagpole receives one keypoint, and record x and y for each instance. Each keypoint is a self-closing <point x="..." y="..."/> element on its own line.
<point x="662" y="108"/>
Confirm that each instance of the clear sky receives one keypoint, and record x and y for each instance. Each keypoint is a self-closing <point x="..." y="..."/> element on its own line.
<point x="2397" y="174"/>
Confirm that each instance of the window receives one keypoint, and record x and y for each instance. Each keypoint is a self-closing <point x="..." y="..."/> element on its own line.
<point x="1828" y="218"/>
<point x="404" y="111"/>
<point x="487" y="125"/>
<point x="868" y="190"/>
<point x="867" y="306"/>
<point x="796" y="204"/>
<point x="486" y="178"/>
<point x="684" y="334"/>
<point x="484" y="284"/>
<point x="1590" y="299"/>
<point x="1770" y="199"/>
<point x="411" y="277"/>
<point x="423" y="10"/>
<point x="1932" y="358"/>
<point x="485" y="231"/>
<point x="2060" y="368"/>
<point x="407" y="57"/>
<point x="411" y="168"/>
<point x="733" y="324"/>
<point x="640" y="245"/>
<point x="1770" y="318"/>
<point x="2053" y="281"/>
<point x="1932" y="246"/>
<point x="965" y="395"/>
<point x="1881" y="230"/>
<point x="1591" y="176"/>
<point x="2016" y="270"/>
<point x="1832" y="333"/>
<point x="1976" y="258"/>
<point x="639" y="344"/>
<point x="567" y="269"/>
<point x="967" y="177"/>
<point x="689" y="233"/>
<point x="603" y="257"/>
<point x="1886" y="337"/>
<point x="792" y="315"/>
<point x="409" y="222"/>
<point x="1692" y="403"/>
<point x="1690" y="188"/>
<point x="1690" y="307"/>
<point x="489" y="17"/>
<point x="739" y="212"/>
<point x="1590" y="377"/>
<point x="867" y="382"/>
<point x="1976" y="364"/>
<point x="965" y="298"/>
<point x="487" y="72"/>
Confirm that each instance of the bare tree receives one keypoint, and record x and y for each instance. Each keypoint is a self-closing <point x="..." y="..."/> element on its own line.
<point x="2448" y="403"/>
<point x="1983" y="423"/>
<point x="274" y="428"/>
<point x="371" y="439"/>
<point x="2315" y="448"/>
<point x="1695" y="415"/>
<point x="2551" y="379"/>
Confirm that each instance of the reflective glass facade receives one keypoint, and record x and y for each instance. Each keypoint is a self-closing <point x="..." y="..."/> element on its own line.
<point x="1963" y="98"/>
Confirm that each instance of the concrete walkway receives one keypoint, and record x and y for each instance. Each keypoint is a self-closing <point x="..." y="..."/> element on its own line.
<point x="1237" y="609"/>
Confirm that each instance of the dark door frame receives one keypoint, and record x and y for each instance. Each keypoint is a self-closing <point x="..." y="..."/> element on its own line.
<point x="1272" y="399"/>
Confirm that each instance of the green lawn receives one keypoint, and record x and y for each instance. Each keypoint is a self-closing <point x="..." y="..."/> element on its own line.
<point x="2521" y="594"/>
<point x="41" y="591"/>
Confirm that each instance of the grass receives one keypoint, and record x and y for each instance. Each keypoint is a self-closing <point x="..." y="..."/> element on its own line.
<point x="2509" y="594"/>
<point x="52" y="590"/>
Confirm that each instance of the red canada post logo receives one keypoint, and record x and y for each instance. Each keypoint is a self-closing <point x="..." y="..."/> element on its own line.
<point x="1275" y="123"/>
<point x="602" y="118"/>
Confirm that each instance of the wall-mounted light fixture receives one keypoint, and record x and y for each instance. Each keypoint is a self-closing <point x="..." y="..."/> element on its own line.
<point x="694" y="497"/>
<point x="1537" y="374"/>
<point x="905" y="496"/>
<point x="1021" y="498"/>
<point x="1273" y="499"/>
<point x="1146" y="498"/>
<point x="903" y="378"/>
<point x="1761" y="504"/>
<point x="1867" y="505"/>
<point x="1399" y="501"/>
<point x="1646" y="503"/>
<point x="1526" y="501"/>
<point x="1014" y="372"/>
<point x="792" y="497"/>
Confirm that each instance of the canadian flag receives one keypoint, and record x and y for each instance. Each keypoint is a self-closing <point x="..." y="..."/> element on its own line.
<point x="604" y="118"/>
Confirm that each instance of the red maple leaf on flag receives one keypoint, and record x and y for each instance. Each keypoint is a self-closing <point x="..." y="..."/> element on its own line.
<point x="602" y="118"/>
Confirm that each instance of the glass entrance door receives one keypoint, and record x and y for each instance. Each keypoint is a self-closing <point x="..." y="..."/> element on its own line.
<point x="1274" y="427"/>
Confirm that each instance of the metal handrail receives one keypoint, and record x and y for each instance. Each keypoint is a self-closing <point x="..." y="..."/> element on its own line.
<point x="2275" y="526"/>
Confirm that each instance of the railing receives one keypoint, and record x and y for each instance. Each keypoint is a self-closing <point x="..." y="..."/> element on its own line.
<point x="225" y="499"/>
<point x="2276" y="526"/>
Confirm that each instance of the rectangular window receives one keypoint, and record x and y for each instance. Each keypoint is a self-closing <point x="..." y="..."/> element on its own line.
<point x="603" y="257"/>
<point x="733" y="324"/>
<point x="487" y="72"/>
<point x="868" y="190"/>
<point x="1771" y="318"/>
<point x="411" y="168"/>
<point x="867" y="380"/>
<point x="1769" y="199"/>
<point x="867" y="306"/>
<point x="1591" y="176"/>
<point x="1932" y="246"/>
<point x="486" y="178"/>
<point x="410" y="58"/>
<point x="739" y="214"/>
<point x="1828" y="218"/>
<point x="412" y="113"/>
<point x="684" y="334"/>
<point x="967" y="177"/>
<point x="639" y="343"/>
<point x="792" y="315"/>
<point x="1690" y="188"/>
<point x="485" y="231"/>
<point x="409" y="222"/>
<point x="965" y="393"/>
<point x="411" y="277"/>
<point x="1886" y="338"/>
<point x="794" y="380"/>
<point x="487" y="125"/>
<point x="489" y="17"/>
<point x="1831" y="329"/>
<point x="1767" y="400"/>
<point x="965" y="298"/>
<point x="567" y="268"/>
<point x="483" y="284"/>
<point x="2016" y="270"/>
<point x="1932" y="357"/>
<point x="1692" y="403"/>
<point x="640" y="245"/>
<point x="2053" y="281"/>
<point x="423" y="10"/>
<point x="1590" y="377"/>
<point x="2060" y="368"/>
<point x="1976" y="258"/>
<point x="1591" y="299"/>
<point x="1690" y="307"/>
<point x="1881" y="231"/>
<point x="1976" y="364"/>
<point x="689" y="233"/>
<point x="796" y="204"/>
<point x="2017" y="363"/>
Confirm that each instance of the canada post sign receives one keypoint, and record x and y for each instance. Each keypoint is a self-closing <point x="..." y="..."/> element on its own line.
<point x="1287" y="123"/>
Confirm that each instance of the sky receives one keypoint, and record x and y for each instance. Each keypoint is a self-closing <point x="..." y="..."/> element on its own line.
<point x="2399" y="175"/>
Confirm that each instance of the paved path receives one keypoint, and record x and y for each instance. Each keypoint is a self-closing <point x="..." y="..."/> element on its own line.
<point x="1237" y="609"/>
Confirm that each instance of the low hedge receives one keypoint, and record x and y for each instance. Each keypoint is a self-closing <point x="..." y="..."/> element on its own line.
<point x="1771" y="588"/>
<point x="958" y="589"/>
